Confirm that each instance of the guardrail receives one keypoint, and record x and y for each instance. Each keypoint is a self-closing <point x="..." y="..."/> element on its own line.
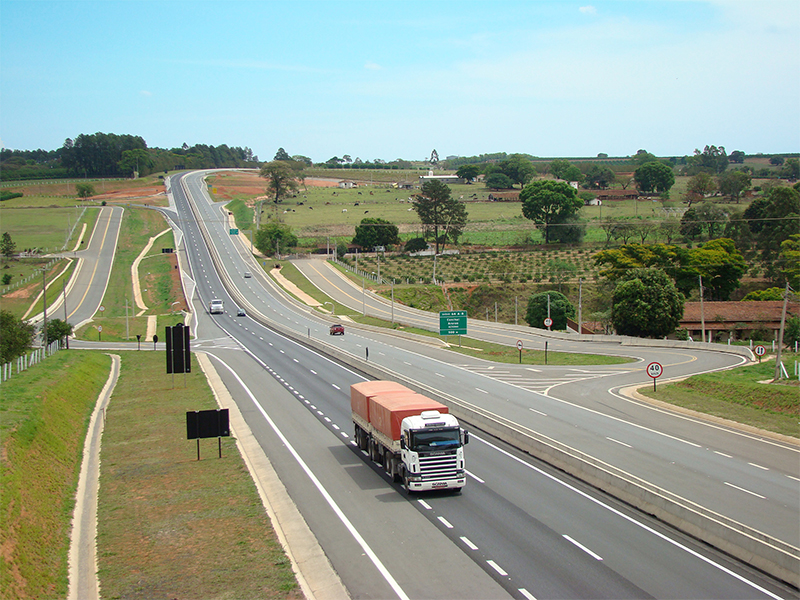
<point x="773" y="556"/>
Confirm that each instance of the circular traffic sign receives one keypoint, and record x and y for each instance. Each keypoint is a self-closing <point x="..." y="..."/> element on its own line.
<point x="655" y="369"/>
<point x="519" y="344"/>
<point x="99" y="328"/>
<point x="548" y="322"/>
<point x="760" y="350"/>
<point x="102" y="308"/>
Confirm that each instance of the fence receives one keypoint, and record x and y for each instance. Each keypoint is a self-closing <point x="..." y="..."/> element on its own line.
<point x="25" y="361"/>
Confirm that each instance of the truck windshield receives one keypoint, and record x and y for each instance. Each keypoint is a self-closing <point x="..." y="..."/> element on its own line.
<point x="435" y="440"/>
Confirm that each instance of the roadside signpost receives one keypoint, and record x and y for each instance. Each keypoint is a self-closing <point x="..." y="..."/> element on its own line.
<point x="453" y="322"/>
<point x="654" y="370"/>
<point x="519" y="347"/>
<point x="548" y="322"/>
<point x="760" y="351"/>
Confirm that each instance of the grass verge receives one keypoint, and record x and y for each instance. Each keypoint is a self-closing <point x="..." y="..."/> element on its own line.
<point x="738" y="396"/>
<point x="45" y="411"/>
<point x="171" y="526"/>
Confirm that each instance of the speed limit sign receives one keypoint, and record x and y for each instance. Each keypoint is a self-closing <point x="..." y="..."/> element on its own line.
<point x="548" y="322"/>
<point x="654" y="370"/>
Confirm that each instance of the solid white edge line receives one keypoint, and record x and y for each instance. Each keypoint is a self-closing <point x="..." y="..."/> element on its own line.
<point x="582" y="547"/>
<point x="331" y="502"/>
<point x="633" y="521"/>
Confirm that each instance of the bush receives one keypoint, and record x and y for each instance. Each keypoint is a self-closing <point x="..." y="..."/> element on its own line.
<point x="416" y="245"/>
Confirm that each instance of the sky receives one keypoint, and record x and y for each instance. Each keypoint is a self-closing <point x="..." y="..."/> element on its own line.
<point x="386" y="80"/>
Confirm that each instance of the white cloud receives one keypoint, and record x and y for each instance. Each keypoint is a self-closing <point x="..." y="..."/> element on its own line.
<point x="145" y="93"/>
<point x="371" y="66"/>
<point x="588" y="10"/>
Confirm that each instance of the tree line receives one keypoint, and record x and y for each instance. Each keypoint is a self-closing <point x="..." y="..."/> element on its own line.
<point x="112" y="155"/>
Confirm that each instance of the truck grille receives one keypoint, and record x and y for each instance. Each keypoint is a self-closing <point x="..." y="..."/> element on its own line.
<point x="438" y="467"/>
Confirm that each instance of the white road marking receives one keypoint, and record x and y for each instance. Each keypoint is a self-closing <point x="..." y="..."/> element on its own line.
<point x="618" y="442"/>
<point x="445" y="522"/>
<point x="527" y="594"/>
<point x="584" y="548"/>
<point x="424" y="504"/>
<point x="758" y="466"/>
<point x="475" y="477"/>
<point x="336" y="386"/>
<point x="497" y="567"/>
<point x="480" y="390"/>
<point x="468" y="543"/>
<point x="328" y="498"/>
<point x="538" y="412"/>
<point x="741" y="489"/>
<point x="722" y="454"/>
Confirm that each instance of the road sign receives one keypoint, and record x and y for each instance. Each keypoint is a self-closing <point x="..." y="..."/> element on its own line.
<point x="234" y="231"/>
<point x="548" y="322"/>
<point x="519" y="344"/>
<point x="453" y="322"/>
<point x="655" y="370"/>
<point x="760" y="350"/>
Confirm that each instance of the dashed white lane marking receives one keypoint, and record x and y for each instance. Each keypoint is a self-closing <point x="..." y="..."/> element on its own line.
<point x="468" y="543"/>
<point x="722" y="454"/>
<point x="758" y="466"/>
<point x="527" y="594"/>
<point x="445" y="522"/>
<point x="538" y="412"/>
<point x="741" y="489"/>
<point x="480" y="390"/>
<point x="497" y="567"/>
<point x="618" y="442"/>
<point x="336" y="386"/>
<point x="584" y="548"/>
<point x="424" y="504"/>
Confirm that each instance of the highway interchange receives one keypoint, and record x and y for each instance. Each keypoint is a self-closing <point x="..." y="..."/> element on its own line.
<point x="521" y="528"/>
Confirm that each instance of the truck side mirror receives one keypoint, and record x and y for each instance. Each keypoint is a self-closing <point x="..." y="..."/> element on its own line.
<point x="466" y="437"/>
<point x="402" y="443"/>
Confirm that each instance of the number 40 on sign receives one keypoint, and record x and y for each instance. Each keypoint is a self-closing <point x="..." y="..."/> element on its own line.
<point x="654" y="370"/>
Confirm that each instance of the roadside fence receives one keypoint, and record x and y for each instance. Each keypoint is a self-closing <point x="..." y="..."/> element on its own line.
<point x="26" y="361"/>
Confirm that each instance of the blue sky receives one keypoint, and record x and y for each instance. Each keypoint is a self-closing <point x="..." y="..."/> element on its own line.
<point x="397" y="79"/>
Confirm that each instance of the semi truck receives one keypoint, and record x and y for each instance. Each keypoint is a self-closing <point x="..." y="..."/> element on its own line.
<point x="415" y="438"/>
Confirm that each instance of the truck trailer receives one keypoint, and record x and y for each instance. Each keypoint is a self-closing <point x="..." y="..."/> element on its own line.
<point x="414" y="437"/>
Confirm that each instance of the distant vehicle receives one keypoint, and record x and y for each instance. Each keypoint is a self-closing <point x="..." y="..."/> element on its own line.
<point x="247" y="275"/>
<point x="216" y="307"/>
<point x="240" y="312"/>
<point x="337" y="329"/>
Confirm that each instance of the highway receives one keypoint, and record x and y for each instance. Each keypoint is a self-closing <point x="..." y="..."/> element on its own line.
<point x="520" y="529"/>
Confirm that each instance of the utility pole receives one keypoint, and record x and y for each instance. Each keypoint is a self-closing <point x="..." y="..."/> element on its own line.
<point x="702" y="314"/>
<point x="44" y="299"/>
<point x="64" y="290"/>
<point x="580" y="299"/>
<point x="780" y="335"/>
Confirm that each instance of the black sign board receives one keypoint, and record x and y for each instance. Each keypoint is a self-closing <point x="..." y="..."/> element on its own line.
<point x="207" y="424"/>
<point x="179" y="358"/>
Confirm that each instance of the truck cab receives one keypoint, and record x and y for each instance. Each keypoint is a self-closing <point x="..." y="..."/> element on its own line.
<point x="432" y="452"/>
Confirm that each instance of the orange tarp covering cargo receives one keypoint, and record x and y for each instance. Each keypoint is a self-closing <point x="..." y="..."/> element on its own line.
<point x="361" y="392"/>
<point x="387" y="411"/>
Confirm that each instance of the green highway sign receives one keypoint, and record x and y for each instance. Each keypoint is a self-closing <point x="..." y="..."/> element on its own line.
<point x="234" y="231"/>
<point x="453" y="322"/>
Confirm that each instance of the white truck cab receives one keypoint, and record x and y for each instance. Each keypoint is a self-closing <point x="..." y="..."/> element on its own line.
<point x="216" y="307"/>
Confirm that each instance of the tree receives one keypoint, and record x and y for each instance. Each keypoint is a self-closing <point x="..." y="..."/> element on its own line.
<point x="599" y="177"/>
<point x="558" y="168"/>
<point x="734" y="184"/>
<point x="549" y="203"/>
<point x="84" y="190"/>
<point x="646" y="304"/>
<point x="711" y="218"/>
<point x="772" y="220"/>
<point x="642" y="157"/>
<point x="57" y="330"/>
<point x="776" y="161"/>
<point x="438" y="210"/>
<point x="518" y="169"/>
<point x="376" y="232"/>
<point x="415" y="245"/>
<point x="498" y="181"/>
<point x="136" y="161"/>
<point x="561" y="309"/>
<point x="274" y="237"/>
<point x="572" y="231"/>
<point x="789" y="260"/>
<point x="712" y="160"/>
<point x="791" y="334"/>
<point x="654" y="176"/>
<point x="468" y="172"/>
<point x="721" y="266"/>
<point x="737" y="156"/>
<point x="281" y="154"/>
<point x="698" y="187"/>
<point x="16" y="337"/>
<point x="302" y="159"/>
<point x="7" y="246"/>
<point x="573" y="173"/>
<point x="280" y="176"/>
<point x="791" y="169"/>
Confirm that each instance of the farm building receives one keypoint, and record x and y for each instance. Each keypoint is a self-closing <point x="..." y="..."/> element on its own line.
<point x="737" y="320"/>
<point x="347" y="184"/>
<point x="442" y="178"/>
<point x="616" y="194"/>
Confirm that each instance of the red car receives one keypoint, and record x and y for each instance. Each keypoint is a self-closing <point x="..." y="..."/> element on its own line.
<point x="337" y="329"/>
